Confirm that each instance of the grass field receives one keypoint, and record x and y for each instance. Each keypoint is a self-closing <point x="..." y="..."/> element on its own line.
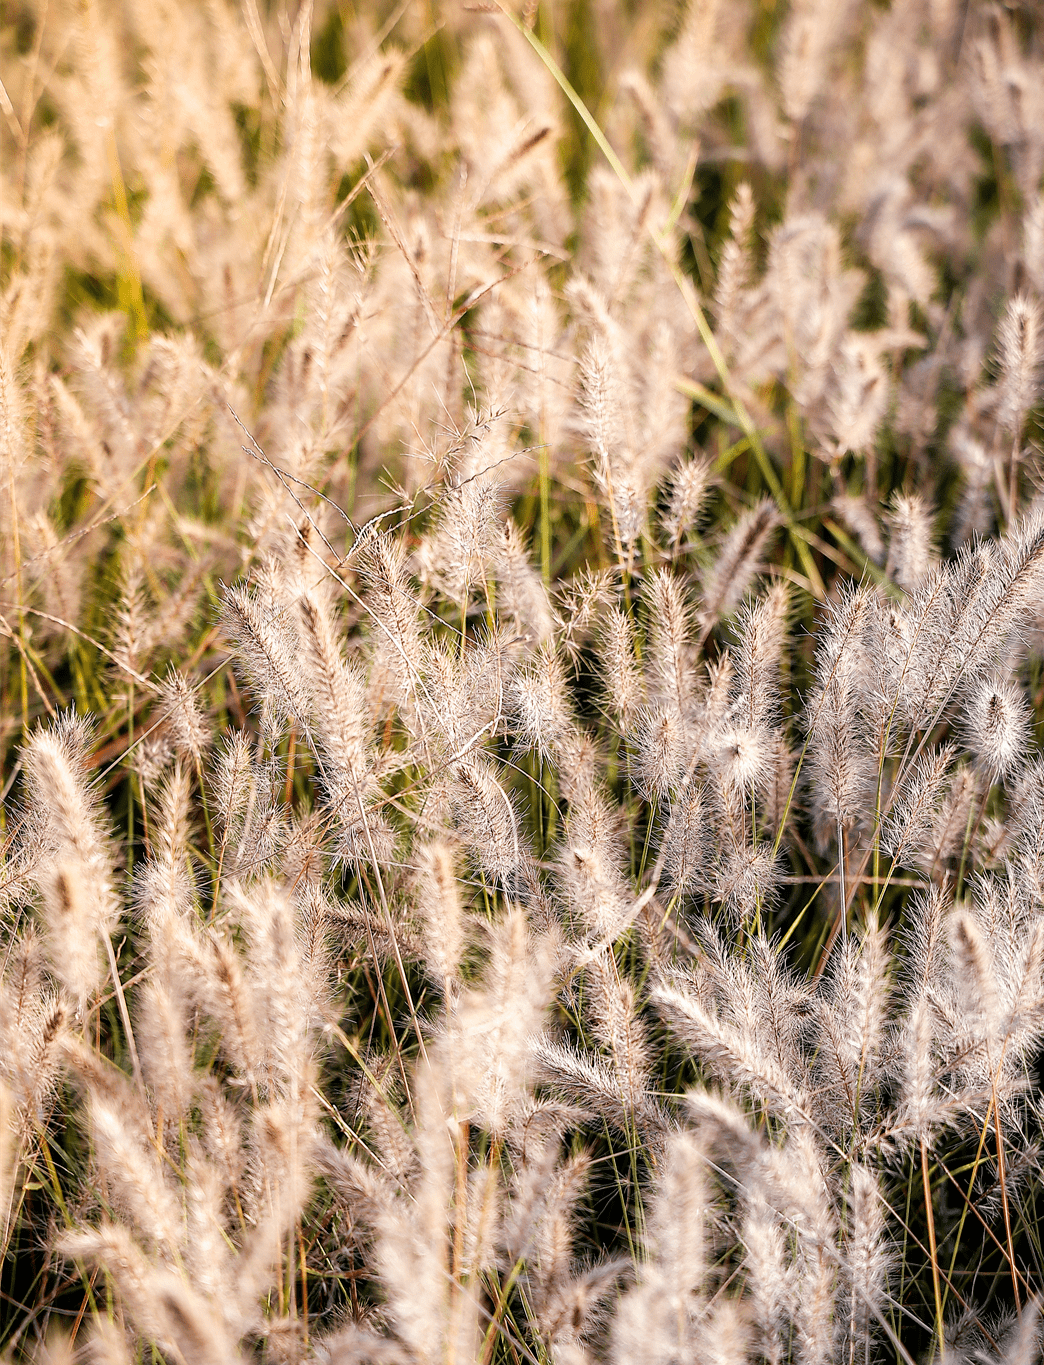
<point x="521" y="636"/>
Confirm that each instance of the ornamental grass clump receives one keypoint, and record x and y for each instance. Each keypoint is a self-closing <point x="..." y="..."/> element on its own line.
<point x="521" y="673"/>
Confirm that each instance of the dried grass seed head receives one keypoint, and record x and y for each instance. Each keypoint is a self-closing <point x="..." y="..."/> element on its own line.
<point x="486" y="818"/>
<point x="77" y="877"/>
<point x="259" y="626"/>
<point x="911" y="549"/>
<point x="537" y="701"/>
<point x="462" y="551"/>
<point x="184" y="718"/>
<point x="761" y="629"/>
<point x="687" y="844"/>
<point x="670" y="673"/>
<point x="728" y="579"/>
<point x="521" y="594"/>
<point x="1021" y="342"/>
<point x="623" y="680"/>
<point x="691" y="485"/>
<point x="439" y="904"/>
<point x="661" y="751"/>
<point x="997" y="724"/>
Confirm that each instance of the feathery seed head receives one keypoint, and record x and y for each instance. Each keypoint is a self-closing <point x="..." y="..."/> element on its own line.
<point x="866" y="1258"/>
<point x="623" y="681"/>
<point x="660" y="743"/>
<point x="671" y="674"/>
<point x="916" y="803"/>
<point x="748" y="880"/>
<point x="761" y="629"/>
<point x="538" y="703"/>
<point x="1021" y="339"/>
<point x="691" y="484"/>
<point x="676" y="1232"/>
<point x="259" y="627"/>
<point x="521" y="595"/>
<point x="997" y="724"/>
<point x="739" y="757"/>
<point x="181" y="711"/>
<point x="976" y="980"/>
<point x="739" y="560"/>
<point x="911" y="550"/>
<point x="234" y="780"/>
<point x="486" y="817"/>
<point x="462" y="550"/>
<point x="687" y="843"/>
<point x="734" y="268"/>
<point x="590" y="865"/>
<point x="76" y="879"/>
<point x="438" y="900"/>
<point x="921" y="1106"/>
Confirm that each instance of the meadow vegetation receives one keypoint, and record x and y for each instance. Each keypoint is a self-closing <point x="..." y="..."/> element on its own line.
<point x="521" y="672"/>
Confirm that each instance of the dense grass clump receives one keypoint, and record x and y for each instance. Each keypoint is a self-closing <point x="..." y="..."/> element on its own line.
<point x="522" y="558"/>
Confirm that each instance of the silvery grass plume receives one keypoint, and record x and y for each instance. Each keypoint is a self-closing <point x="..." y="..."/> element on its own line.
<point x="75" y="876"/>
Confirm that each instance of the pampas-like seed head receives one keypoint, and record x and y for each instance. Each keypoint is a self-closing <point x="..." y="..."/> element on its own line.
<point x="80" y="903"/>
<point x="623" y="682"/>
<point x="911" y="550"/>
<point x="539" y="704"/>
<point x="661" y="751"/>
<point x="997" y="722"/>
<point x="1021" y="339"/>
<point x="181" y="711"/>
<point x="691" y="484"/>
<point x="438" y="900"/>
<point x="728" y="579"/>
<point x="687" y="843"/>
